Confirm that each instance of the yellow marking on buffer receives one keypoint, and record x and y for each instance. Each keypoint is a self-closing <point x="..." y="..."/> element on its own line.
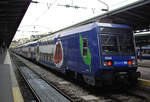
<point x="144" y="82"/>
<point x="17" y="95"/>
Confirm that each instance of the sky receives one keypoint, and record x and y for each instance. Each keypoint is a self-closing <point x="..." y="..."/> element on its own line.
<point x="51" y="15"/>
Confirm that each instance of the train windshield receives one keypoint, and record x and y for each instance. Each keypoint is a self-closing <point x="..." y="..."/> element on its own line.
<point x="117" y="41"/>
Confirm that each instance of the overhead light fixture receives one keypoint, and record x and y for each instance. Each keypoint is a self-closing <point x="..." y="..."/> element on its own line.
<point x="34" y="2"/>
<point x="105" y="5"/>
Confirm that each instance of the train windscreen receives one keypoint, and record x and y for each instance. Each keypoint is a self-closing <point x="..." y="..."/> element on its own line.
<point x="117" y="41"/>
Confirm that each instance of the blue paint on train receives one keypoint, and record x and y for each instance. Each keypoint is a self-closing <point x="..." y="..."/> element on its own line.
<point x="144" y="51"/>
<point x="73" y="58"/>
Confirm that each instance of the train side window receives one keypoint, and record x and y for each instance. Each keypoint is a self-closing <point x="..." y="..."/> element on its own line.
<point x="147" y="52"/>
<point x="43" y="57"/>
<point x="47" y="57"/>
<point x="40" y="56"/>
<point x="49" y="42"/>
<point x="85" y="46"/>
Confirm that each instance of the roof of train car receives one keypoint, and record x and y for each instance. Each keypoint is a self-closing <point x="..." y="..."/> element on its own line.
<point x="74" y="30"/>
<point x="78" y="29"/>
<point x="144" y="47"/>
<point x="142" y="34"/>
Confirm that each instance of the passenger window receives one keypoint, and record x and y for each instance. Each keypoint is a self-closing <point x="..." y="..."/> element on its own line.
<point x="47" y="57"/>
<point x="44" y="57"/>
<point x="85" y="46"/>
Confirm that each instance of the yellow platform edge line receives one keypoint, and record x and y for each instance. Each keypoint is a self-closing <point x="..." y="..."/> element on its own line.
<point x="17" y="95"/>
<point x="144" y="82"/>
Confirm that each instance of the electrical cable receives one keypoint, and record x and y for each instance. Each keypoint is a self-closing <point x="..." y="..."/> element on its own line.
<point x="48" y="6"/>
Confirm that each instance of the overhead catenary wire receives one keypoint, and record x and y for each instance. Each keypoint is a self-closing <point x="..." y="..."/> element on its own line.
<point x="49" y="5"/>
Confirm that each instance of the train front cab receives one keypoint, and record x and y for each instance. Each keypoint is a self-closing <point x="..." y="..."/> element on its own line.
<point x="117" y="54"/>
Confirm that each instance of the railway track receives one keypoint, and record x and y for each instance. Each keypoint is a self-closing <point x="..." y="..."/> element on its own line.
<point x="127" y="97"/>
<point x="43" y="91"/>
<point x="77" y="91"/>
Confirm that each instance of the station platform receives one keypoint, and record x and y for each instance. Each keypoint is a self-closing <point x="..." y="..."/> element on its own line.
<point x="9" y="88"/>
<point x="145" y="72"/>
<point x="144" y="68"/>
<point x="144" y="63"/>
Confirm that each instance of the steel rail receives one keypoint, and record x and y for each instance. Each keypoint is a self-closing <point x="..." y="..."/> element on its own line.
<point x="44" y="79"/>
<point x="24" y="77"/>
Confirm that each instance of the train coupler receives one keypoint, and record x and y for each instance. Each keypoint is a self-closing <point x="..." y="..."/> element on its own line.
<point x="133" y="75"/>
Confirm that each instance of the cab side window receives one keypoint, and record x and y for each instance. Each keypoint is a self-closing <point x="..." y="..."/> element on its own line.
<point x="85" y="46"/>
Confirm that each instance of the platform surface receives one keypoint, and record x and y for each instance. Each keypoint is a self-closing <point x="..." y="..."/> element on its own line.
<point x="144" y="63"/>
<point x="5" y="84"/>
<point x="13" y="82"/>
<point x="145" y="72"/>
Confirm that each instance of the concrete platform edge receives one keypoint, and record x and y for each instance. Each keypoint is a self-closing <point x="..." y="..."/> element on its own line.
<point x="17" y="96"/>
<point x="144" y="82"/>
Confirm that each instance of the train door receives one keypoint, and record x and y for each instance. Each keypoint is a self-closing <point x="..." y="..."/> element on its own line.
<point x="85" y="53"/>
<point x="37" y="53"/>
<point x="65" y="56"/>
<point x="34" y="53"/>
<point x="99" y="38"/>
<point x="29" y="51"/>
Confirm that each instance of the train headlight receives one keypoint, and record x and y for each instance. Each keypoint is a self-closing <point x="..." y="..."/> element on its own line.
<point x="107" y="63"/>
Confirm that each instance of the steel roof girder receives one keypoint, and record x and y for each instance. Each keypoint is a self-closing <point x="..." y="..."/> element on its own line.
<point x="136" y="15"/>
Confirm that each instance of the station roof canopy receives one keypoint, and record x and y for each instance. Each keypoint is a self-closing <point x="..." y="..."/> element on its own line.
<point x="136" y="14"/>
<point x="11" y="14"/>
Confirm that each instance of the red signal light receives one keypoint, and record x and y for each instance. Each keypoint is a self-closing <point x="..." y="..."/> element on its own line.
<point x="109" y="63"/>
<point x="129" y="62"/>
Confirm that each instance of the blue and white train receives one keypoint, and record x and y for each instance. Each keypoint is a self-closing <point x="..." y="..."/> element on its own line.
<point x="100" y="53"/>
<point x="143" y="52"/>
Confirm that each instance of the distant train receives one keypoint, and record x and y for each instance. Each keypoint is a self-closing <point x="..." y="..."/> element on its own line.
<point x="99" y="53"/>
<point x="143" y="53"/>
<point x="142" y="45"/>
